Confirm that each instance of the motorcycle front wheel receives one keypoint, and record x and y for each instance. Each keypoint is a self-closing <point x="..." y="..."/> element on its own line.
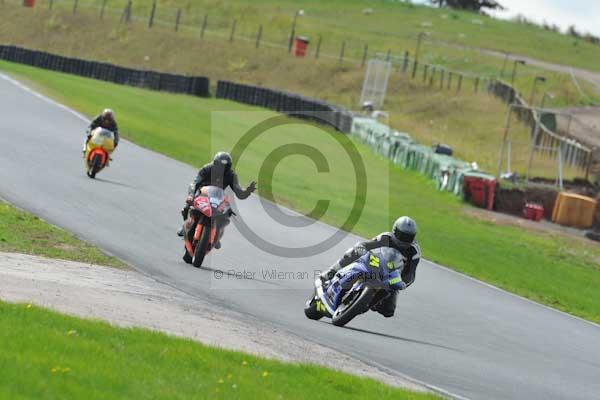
<point x="202" y="246"/>
<point x="355" y="306"/>
<point x="96" y="166"/>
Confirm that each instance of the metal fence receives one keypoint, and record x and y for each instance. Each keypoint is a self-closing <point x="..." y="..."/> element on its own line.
<point x="545" y="141"/>
<point x="436" y="76"/>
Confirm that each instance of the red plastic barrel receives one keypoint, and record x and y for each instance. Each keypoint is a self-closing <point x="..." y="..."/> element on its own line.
<point x="300" y="46"/>
<point x="533" y="211"/>
<point x="480" y="191"/>
<point x="28" y="3"/>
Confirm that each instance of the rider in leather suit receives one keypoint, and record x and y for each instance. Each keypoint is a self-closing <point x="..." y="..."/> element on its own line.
<point x="402" y="238"/>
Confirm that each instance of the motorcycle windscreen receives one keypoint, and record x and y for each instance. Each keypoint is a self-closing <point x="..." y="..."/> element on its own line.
<point x="215" y="194"/>
<point x="103" y="138"/>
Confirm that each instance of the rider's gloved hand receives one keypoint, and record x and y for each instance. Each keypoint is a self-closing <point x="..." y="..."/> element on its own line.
<point x="328" y="274"/>
<point x="356" y="251"/>
<point x="251" y="187"/>
<point x="396" y="283"/>
<point x="360" y="250"/>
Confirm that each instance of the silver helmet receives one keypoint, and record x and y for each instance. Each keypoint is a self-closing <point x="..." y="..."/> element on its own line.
<point x="405" y="229"/>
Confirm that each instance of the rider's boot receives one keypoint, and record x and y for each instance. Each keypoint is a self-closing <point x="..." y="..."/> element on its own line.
<point x="184" y="213"/>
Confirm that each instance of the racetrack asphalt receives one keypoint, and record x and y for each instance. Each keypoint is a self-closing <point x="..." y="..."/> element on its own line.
<point x="450" y="331"/>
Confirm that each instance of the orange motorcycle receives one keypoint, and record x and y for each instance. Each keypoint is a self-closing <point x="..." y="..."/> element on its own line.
<point x="209" y="214"/>
<point x="98" y="150"/>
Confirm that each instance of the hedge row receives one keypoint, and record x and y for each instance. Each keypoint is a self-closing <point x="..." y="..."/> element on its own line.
<point x="287" y="103"/>
<point x="193" y="85"/>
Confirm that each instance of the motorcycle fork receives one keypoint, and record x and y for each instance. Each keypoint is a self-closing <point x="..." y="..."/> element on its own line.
<point x="188" y="246"/>
<point x="198" y="231"/>
<point x="220" y="231"/>
<point x="213" y="235"/>
<point x="196" y="224"/>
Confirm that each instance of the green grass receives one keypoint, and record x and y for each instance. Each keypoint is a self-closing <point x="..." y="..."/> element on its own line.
<point x="46" y="355"/>
<point x="21" y="232"/>
<point x="553" y="269"/>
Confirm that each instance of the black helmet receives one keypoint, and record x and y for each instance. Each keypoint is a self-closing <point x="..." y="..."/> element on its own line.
<point x="222" y="160"/>
<point x="405" y="229"/>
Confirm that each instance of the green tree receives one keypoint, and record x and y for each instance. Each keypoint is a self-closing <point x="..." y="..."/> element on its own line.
<point x="471" y="5"/>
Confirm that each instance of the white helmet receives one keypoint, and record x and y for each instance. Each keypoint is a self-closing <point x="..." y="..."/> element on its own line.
<point x="108" y="113"/>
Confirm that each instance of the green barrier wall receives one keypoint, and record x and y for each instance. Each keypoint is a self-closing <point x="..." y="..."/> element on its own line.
<point x="448" y="172"/>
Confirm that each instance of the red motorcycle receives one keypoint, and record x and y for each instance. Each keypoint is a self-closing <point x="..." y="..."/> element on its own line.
<point x="209" y="214"/>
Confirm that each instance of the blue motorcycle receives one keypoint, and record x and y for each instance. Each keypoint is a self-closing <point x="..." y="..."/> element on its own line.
<point x="358" y="287"/>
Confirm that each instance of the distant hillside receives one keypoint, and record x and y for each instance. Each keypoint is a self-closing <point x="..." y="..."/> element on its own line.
<point x="383" y="25"/>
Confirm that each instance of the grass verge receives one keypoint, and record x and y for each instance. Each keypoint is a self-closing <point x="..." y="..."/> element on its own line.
<point x="48" y="355"/>
<point x="554" y="269"/>
<point x="21" y="232"/>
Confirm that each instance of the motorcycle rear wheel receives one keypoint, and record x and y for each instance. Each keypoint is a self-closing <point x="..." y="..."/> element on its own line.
<point x="358" y="305"/>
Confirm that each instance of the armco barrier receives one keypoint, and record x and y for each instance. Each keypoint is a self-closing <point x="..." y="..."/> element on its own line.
<point x="193" y="85"/>
<point x="287" y="103"/>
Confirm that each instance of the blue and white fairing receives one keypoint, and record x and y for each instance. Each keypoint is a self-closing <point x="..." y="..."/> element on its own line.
<point x="379" y="268"/>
